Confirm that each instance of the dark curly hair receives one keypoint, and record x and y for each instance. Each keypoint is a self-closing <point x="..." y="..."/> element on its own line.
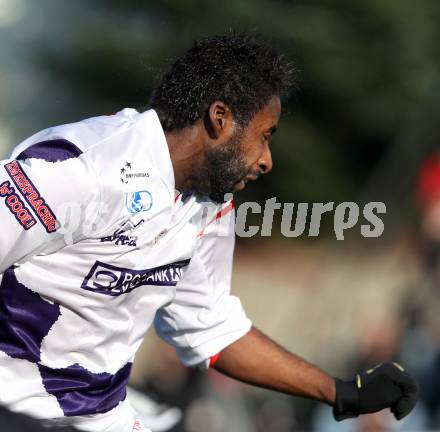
<point x="238" y="70"/>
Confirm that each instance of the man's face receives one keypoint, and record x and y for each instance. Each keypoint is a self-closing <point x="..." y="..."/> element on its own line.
<point x="242" y="157"/>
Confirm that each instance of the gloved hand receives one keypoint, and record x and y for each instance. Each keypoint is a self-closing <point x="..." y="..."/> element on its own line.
<point x="387" y="385"/>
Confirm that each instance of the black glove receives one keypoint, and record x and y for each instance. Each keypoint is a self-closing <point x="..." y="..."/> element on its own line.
<point x="387" y="385"/>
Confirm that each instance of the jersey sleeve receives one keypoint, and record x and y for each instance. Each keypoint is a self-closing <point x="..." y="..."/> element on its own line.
<point x="44" y="191"/>
<point x="204" y="317"/>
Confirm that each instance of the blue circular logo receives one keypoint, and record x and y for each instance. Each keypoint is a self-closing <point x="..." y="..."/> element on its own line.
<point x="138" y="201"/>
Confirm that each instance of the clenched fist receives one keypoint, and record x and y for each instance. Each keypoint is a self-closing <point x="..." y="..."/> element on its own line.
<point x="387" y="385"/>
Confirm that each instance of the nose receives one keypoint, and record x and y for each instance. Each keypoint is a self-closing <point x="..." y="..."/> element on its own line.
<point x="265" y="162"/>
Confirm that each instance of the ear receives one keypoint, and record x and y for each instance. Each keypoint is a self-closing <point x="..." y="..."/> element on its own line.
<point x="219" y="119"/>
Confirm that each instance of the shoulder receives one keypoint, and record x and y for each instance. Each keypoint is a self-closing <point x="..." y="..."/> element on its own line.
<point x="85" y="134"/>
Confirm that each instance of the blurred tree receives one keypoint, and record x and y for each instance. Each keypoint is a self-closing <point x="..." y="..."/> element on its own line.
<point x="369" y="76"/>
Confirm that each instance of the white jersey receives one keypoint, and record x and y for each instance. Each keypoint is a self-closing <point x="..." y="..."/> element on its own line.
<point x="96" y="246"/>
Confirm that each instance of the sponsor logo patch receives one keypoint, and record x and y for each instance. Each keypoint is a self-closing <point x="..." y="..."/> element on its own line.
<point x="31" y="194"/>
<point x="113" y="281"/>
<point x="121" y="236"/>
<point x="127" y="173"/>
<point x="138" y="201"/>
<point x="16" y="206"/>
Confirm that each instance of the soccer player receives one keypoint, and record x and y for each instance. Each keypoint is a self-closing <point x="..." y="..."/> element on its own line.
<point x="114" y="224"/>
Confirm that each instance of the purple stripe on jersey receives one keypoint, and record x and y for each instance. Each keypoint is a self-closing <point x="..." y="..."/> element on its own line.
<point x="25" y="319"/>
<point x="51" y="151"/>
<point x="81" y="392"/>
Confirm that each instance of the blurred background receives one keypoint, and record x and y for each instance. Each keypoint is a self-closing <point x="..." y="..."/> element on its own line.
<point x="362" y="126"/>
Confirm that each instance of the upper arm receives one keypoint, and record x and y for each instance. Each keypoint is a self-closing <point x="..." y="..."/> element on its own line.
<point x="34" y="186"/>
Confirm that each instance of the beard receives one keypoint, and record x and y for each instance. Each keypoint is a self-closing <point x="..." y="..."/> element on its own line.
<point x="222" y="168"/>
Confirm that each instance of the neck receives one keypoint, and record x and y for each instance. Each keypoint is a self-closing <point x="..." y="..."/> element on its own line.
<point x="186" y="148"/>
